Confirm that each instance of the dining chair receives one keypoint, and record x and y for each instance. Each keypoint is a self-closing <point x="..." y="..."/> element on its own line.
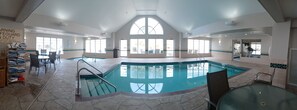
<point x="267" y="78"/>
<point x="52" y="58"/>
<point x="37" y="52"/>
<point x="34" y="62"/>
<point x="218" y="85"/>
<point x="43" y="51"/>
<point x="59" y="56"/>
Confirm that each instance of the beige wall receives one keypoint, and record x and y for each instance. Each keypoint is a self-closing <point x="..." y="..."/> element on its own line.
<point x="280" y="42"/>
<point x="17" y="27"/>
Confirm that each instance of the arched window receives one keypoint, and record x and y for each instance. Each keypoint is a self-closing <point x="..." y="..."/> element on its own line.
<point x="154" y="27"/>
<point x="138" y="28"/>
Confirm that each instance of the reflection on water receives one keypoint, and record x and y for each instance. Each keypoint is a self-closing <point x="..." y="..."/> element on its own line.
<point x="162" y="78"/>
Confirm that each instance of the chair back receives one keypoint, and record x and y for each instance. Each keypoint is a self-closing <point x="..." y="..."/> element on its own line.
<point x="218" y="85"/>
<point x="37" y="52"/>
<point x="52" y="57"/>
<point x="34" y="60"/>
<point x="43" y="51"/>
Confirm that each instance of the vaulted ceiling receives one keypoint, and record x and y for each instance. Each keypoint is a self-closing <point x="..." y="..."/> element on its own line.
<point x="110" y="15"/>
<point x="183" y="15"/>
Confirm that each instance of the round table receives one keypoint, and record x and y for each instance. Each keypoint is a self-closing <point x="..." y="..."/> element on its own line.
<point x="258" y="97"/>
<point x="43" y="57"/>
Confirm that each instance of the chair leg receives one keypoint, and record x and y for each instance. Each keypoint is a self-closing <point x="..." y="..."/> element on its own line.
<point x="38" y="72"/>
<point x="45" y="69"/>
<point x="30" y="69"/>
<point x="55" y="66"/>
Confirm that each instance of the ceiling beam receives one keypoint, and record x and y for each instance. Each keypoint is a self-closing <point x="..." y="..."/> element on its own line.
<point x="274" y="9"/>
<point x="7" y="18"/>
<point x="27" y="9"/>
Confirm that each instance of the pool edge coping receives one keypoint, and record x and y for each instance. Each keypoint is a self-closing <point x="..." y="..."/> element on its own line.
<point x="80" y="98"/>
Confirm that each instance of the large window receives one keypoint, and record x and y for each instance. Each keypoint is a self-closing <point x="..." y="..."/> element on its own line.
<point x="155" y="46"/>
<point x="153" y="27"/>
<point x="257" y="48"/>
<point x="137" y="46"/>
<point x="50" y="44"/>
<point x="138" y="28"/>
<point x="198" y="46"/>
<point x="96" y="46"/>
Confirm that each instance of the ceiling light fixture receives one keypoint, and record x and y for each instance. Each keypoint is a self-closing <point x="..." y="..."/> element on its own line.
<point x="188" y="34"/>
<point x="230" y="23"/>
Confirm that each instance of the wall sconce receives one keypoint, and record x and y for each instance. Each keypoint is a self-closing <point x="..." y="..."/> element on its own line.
<point x="220" y="42"/>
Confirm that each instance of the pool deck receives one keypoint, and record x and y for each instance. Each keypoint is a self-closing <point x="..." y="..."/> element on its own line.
<point x="59" y="92"/>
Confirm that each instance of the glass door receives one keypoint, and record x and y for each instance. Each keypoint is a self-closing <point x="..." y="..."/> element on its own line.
<point x="169" y="48"/>
<point x="123" y="48"/>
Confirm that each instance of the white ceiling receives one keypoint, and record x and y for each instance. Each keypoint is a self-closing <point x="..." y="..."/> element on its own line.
<point x="10" y="8"/>
<point x="183" y="15"/>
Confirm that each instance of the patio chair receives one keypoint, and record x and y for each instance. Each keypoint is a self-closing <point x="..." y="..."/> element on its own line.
<point x="218" y="85"/>
<point x="267" y="78"/>
<point x="43" y="52"/>
<point x="52" y="59"/>
<point x="34" y="62"/>
<point x="59" y="56"/>
<point x="36" y="52"/>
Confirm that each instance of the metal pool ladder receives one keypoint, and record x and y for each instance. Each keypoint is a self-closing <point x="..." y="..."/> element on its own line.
<point x="101" y="79"/>
<point x="199" y="57"/>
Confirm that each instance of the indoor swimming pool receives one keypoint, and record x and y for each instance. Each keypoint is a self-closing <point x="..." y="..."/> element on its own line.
<point x="155" y="78"/>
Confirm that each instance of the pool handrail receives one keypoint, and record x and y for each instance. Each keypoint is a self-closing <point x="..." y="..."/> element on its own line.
<point x="87" y="64"/>
<point x="78" y="80"/>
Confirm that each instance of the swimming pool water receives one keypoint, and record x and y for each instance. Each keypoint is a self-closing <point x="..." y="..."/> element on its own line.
<point x="164" y="78"/>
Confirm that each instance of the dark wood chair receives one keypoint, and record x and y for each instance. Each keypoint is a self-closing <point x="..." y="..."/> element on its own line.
<point x="34" y="62"/>
<point x="267" y="78"/>
<point x="218" y="85"/>
<point x="43" y="52"/>
<point x="36" y="52"/>
<point x="52" y="58"/>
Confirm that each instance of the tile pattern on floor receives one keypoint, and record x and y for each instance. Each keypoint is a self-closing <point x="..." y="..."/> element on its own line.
<point x="59" y="94"/>
<point x="19" y="96"/>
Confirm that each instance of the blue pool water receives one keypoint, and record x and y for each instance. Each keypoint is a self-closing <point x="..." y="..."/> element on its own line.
<point x="162" y="78"/>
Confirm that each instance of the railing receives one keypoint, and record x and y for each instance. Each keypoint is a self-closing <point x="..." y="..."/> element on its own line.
<point x="102" y="79"/>
<point x="199" y="57"/>
<point x="81" y="60"/>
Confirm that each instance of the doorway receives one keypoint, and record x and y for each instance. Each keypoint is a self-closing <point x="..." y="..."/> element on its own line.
<point x="123" y="48"/>
<point x="169" y="48"/>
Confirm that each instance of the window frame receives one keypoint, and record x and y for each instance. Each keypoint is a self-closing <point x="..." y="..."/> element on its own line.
<point x="97" y="43"/>
<point x="197" y="48"/>
<point x="147" y="31"/>
<point x="154" y="51"/>
<point x="138" y="51"/>
<point x="57" y="40"/>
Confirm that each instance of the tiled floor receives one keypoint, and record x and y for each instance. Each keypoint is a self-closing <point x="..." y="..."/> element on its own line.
<point x="59" y="92"/>
<point x="19" y="96"/>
